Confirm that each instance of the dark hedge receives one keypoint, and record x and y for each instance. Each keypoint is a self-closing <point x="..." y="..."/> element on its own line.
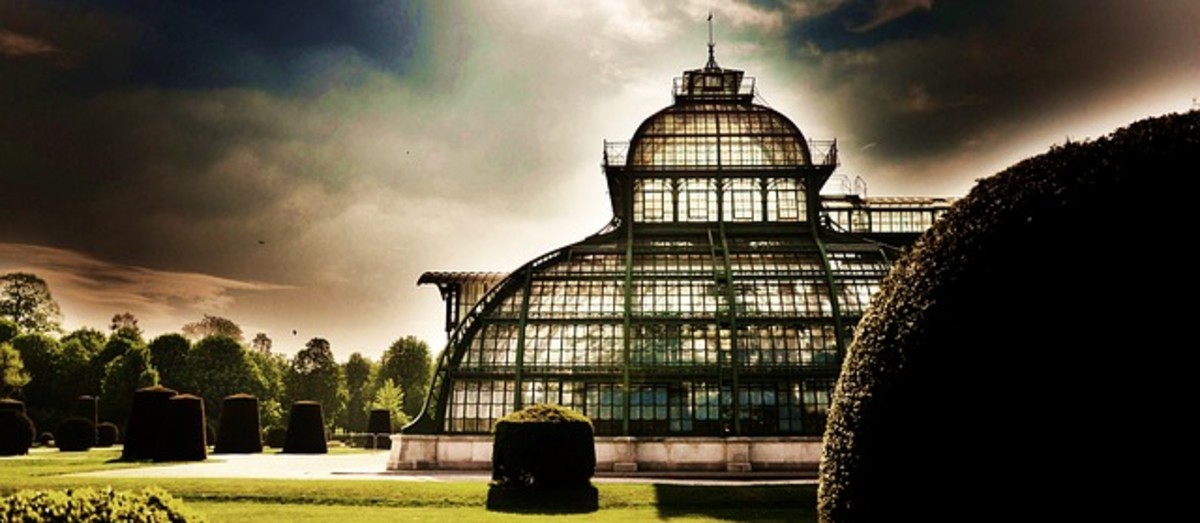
<point x="16" y="433"/>
<point x="151" y="505"/>
<point x="86" y="407"/>
<point x="145" y="422"/>
<point x="75" y="435"/>
<point x="45" y="439"/>
<point x="1021" y="331"/>
<point x="11" y="404"/>
<point x="306" y="429"/>
<point x="544" y="446"/>
<point x="380" y="421"/>
<point x="276" y="437"/>
<point x="107" y="434"/>
<point x="240" y="430"/>
<point x="183" y="436"/>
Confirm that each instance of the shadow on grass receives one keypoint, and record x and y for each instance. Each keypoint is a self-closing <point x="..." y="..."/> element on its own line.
<point x="526" y="500"/>
<point x="738" y="503"/>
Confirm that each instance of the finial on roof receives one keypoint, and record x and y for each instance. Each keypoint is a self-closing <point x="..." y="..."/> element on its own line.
<point x="712" y="61"/>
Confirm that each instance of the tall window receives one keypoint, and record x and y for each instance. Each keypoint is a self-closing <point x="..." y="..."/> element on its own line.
<point x="785" y="200"/>
<point x="697" y="200"/>
<point x="652" y="201"/>
<point x="743" y="200"/>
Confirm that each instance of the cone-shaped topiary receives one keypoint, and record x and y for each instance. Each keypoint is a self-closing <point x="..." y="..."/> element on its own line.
<point x="544" y="446"/>
<point x="306" y="429"/>
<point x="11" y="404"/>
<point x="240" y="430"/>
<point x="1019" y="330"/>
<point x="107" y="434"/>
<point x="16" y="432"/>
<point x="276" y="437"/>
<point x="145" y="422"/>
<point x="183" y="437"/>
<point x="75" y="435"/>
<point x="379" y="422"/>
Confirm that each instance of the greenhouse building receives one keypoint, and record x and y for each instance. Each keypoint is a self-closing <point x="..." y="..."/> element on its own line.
<point x="704" y="327"/>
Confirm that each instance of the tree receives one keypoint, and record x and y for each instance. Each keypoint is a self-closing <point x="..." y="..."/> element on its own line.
<point x="126" y="324"/>
<point x="314" y="375"/>
<point x="12" y="371"/>
<point x="213" y="326"/>
<point x="125" y="374"/>
<point x="168" y="352"/>
<point x="270" y="400"/>
<point x="8" y="329"/>
<point x="217" y="367"/>
<point x="74" y="373"/>
<point x="114" y="348"/>
<point x="261" y="342"/>
<point x="357" y="372"/>
<point x="391" y="397"/>
<point x="42" y="356"/>
<point x="25" y="299"/>
<point x="407" y="363"/>
<point x="90" y="339"/>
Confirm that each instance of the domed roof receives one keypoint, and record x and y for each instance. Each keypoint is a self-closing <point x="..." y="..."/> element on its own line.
<point x="717" y="133"/>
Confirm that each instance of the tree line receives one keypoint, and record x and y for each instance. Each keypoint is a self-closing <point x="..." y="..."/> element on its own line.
<point x="48" y="369"/>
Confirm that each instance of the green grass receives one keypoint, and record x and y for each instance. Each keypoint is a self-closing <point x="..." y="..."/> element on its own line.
<point x="344" y="501"/>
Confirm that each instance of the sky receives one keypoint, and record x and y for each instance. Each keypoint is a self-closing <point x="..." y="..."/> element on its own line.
<point x="295" y="166"/>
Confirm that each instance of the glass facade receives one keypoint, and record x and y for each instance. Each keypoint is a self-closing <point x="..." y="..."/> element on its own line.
<point x="719" y="301"/>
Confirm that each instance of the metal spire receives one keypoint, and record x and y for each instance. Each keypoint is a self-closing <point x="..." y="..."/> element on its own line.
<point x="712" y="61"/>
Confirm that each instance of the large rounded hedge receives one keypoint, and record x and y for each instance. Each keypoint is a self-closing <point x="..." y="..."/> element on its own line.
<point x="275" y="437"/>
<point x="240" y="430"/>
<point x="1018" y="334"/>
<point x="306" y="429"/>
<point x="16" y="433"/>
<point x="183" y="436"/>
<point x="544" y="446"/>
<point x="75" y="435"/>
<point x="146" y="418"/>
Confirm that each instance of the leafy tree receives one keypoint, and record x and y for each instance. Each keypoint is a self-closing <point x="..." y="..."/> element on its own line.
<point x="125" y="374"/>
<point x="261" y="342"/>
<point x="407" y="363"/>
<point x="25" y="299"/>
<point x="314" y="375"/>
<point x="357" y="372"/>
<point x="114" y="348"/>
<point x="42" y="356"/>
<point x="218" y="366"/>
<point x="8" y="329"/>
<point x="391" y="397"/>
<point x="12" y="371"/>
<point x="126" y="324"/>
<point x="75" y="377"/>
<point x="90" y="339"/>
<point x="169" y="352"/>
<point x="213" y="326"/>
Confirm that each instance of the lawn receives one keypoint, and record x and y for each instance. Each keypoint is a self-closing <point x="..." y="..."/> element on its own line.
<point x="343" y="501"/>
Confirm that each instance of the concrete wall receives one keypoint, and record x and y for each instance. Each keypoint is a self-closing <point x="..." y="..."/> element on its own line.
<point x="623" y="454"/>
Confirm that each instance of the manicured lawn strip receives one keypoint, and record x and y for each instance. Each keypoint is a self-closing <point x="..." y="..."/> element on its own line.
<point x="246" y="511"/>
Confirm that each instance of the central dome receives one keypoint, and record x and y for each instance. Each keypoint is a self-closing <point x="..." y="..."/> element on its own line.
<point x="714" y="134"/>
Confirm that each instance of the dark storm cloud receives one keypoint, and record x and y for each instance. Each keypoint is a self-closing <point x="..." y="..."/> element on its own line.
<point x="949" y="76"/>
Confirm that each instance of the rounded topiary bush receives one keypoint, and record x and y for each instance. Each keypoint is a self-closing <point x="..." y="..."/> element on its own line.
<point x="1018" y="331"/>
<point x="145" y="422"/>
<point x="276" y="437"/>
<point x="183" y="436"/>
<point x="107" y="434"/>
<point x="45" y="439"/>
<point x="16" y="433"/>
<point x="75" y="435"/>
<point x="544" y="446"/>
<point x="11" y="404"/>
<point x="306" y="429"/>
<point x="85" y="504"/>
<point x="240" y="430"/>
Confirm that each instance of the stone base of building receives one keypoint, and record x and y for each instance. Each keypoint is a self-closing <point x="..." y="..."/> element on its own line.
<point x="625" y="454"/>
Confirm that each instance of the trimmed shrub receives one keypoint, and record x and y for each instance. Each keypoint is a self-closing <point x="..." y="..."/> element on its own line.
<point x="107" y="434"/>
<point x="276" y="437"/>
<point x="306" y="429"/>
<point x="149" y="505"/>
<point x="16" y="433"/>
<point x="145" y="422"/>
<point x="240" y="430"/>
<point x="75" y="435"/>
<point x="1010" y="337"/>
<point x="379" y="422"/>
<point x="544" y="446"/>
<point x="183" y="436"/>
<point x="45" y="439"/>
<point x="11" y="404"/>
<point x="86" y="408"/>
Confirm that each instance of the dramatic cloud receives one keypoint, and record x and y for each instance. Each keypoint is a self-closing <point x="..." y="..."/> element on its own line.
<point x="338" y="151"/>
